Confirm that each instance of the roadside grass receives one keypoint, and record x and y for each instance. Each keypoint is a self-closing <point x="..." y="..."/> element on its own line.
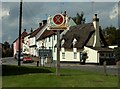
<point x="8" y="70"/>
<point x="45" y="77"/>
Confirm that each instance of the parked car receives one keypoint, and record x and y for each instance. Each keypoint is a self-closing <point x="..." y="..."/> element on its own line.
<point x="27" y="58"/>
<point x="17" y="55"/>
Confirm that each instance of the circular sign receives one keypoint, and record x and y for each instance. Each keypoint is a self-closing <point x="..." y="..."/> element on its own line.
<point x="58" y="19"/>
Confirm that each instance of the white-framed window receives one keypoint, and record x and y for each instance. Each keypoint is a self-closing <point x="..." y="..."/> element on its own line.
<point x="62" y="42"/>
<point x="75" y="55"/>
<point x="74" y="41"/>
<point x="63" y="55"/>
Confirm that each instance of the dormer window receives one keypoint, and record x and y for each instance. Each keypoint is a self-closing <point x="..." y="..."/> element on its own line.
<point x="62" y="42"/>
<point x="74" y="41"/>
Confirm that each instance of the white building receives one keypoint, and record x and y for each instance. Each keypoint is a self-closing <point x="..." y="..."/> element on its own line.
<point x="84" y="38"/>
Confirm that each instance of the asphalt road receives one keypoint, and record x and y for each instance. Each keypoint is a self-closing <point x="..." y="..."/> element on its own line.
<point x="13" y="61"/>
<point x="113" y="69"/>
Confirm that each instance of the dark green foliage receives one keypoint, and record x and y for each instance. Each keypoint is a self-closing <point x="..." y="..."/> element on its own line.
<point x="79" y="19"/>
<point x="112" y="35"/>
<point x="7" y="50"/>
<point x="8" y="70"/>
<point x="117" y="53"/>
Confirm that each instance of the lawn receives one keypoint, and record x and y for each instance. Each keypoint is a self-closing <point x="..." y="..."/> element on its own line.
<point x="14" y="76"/>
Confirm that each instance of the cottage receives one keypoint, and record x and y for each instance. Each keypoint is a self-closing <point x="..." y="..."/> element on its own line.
<point x="86" y="38"/>
<point x="16" y="42"/>
<point x="78" y="40"/>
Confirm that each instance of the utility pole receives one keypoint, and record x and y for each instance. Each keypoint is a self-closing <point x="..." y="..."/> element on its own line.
<point x="20" y="26"/>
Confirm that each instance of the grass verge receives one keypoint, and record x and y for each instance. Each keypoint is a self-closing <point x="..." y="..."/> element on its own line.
<point x="45" y="77"/>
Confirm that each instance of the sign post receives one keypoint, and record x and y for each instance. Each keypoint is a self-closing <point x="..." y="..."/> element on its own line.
<point x="58" y="22"/>
<point x="58" y="54"/>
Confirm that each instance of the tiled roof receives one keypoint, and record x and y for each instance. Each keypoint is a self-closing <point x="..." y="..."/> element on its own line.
<point x="24" y="34"/>
<point x="46" y="33"/>
<point x="36" y="31"/>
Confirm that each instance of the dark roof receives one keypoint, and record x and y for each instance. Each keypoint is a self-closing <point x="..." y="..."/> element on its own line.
<point x="22" y="35"/>
<point x="46" y="33"/>
<point x="102" y="49"/>
<point x="36" y="31"/>
<point x="82" y="33"/>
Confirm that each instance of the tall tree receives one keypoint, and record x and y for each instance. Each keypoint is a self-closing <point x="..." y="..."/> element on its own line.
<point x="112" y="36"/>
<point x="79" y="19"/>
<point x="6" y="45"/>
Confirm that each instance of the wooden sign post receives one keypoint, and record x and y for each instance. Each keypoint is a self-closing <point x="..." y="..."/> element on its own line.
<point x="58" y="22"/>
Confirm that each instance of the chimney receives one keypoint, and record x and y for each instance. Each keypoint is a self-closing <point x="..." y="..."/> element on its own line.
<point x="40" y="24"/>
<point x="44" y="22"/>
<point x="96" y="35"/>
<point x="24" y="30"/>
<point x="31" y="30"/>
<point x="65" y="13"/>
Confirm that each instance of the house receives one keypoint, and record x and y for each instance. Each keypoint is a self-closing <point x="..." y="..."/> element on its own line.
<point x="48" y="38"/>
<point x="79" y="39"/>
<point x="33" y="37"/>
<point x="16" y="42"/>
<point x="86" y="38"/>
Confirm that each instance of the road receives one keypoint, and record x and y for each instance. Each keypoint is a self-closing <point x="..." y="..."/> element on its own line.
<point x="13" y="61"/>
<point x="96" y="68"/>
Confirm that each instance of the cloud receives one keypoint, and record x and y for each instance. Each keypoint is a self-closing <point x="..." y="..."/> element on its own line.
<point x="114" y="12"/>
<point x="34" y="12"/>
<point x="4" y="13"/>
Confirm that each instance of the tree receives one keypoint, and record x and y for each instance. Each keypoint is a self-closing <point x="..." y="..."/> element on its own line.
<point x="6" y="45"/>
<point x="7" y="50"/>
<point x="111" y="35"/>
<point x="117" y="53"/>
<point x="79" y="19"/>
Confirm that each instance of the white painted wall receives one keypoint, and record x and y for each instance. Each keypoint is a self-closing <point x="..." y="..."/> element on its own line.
<point x="32" y="41"/>
<point x="26" y="45"/>
<point x="92" y="55"/>
<point x="69" y="56"/>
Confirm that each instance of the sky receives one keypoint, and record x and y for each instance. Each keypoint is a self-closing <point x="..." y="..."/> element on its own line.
<point x="35" y="12"/>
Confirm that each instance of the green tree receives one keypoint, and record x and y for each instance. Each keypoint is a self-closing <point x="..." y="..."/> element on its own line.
<point x="117" y="53"/>
<point x="110" y="35"/>
<point x="79" y="19"/>
<point x="7" y="49"/>
<point x="6" y="45"/>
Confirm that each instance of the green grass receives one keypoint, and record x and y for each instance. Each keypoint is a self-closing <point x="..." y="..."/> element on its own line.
<point x="68" y="78"/>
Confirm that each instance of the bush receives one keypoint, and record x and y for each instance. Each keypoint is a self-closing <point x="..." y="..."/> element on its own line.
<point x="117" y="53"/>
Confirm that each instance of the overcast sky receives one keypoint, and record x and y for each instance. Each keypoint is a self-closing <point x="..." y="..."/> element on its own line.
<point x="34" y="12"/>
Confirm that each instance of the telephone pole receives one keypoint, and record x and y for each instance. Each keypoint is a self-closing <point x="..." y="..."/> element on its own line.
<point x="20" y="26"/>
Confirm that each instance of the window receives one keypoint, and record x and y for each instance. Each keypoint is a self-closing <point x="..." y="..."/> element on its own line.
<point x="63" y="55"/>
<point x="49" y="39"/>
<point x="111" y="55"/>
<point x="75" y="55"/>
<point x="102" y="54"/>
<point x="62" y="42"/>
<point x="74" y="41"/>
